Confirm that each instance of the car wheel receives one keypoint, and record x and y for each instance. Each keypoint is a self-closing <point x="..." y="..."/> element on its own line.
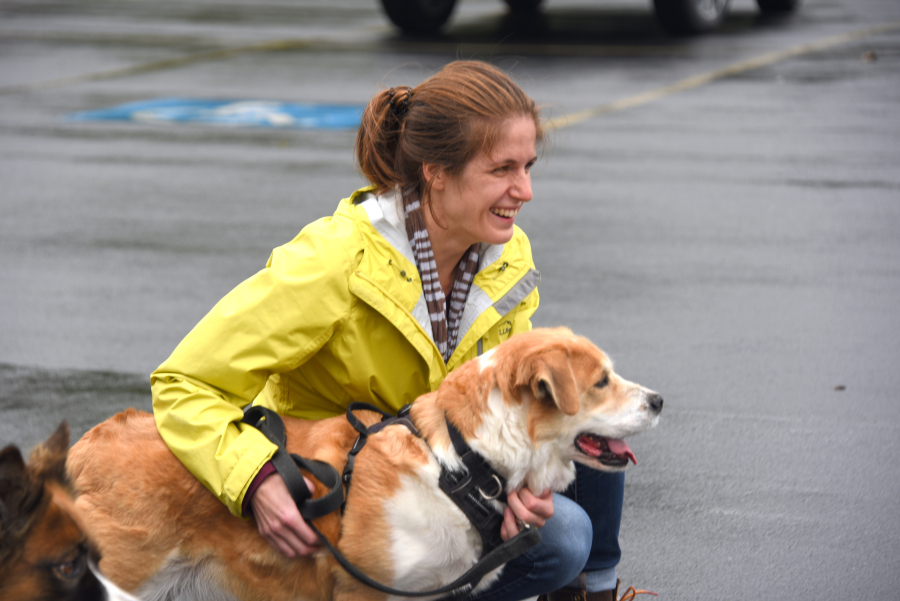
<point x="690" y="16"/>
<point x="418" y="16"/>
<point x="778" y="6"/>
<point x="523" y="4"/>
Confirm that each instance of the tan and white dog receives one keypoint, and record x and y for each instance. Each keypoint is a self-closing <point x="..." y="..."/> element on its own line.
<point x="530" y="407"/>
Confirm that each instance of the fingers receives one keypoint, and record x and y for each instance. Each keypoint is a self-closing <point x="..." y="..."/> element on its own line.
<point x="279" y="521"/>
<point x="509" y="528"/>
<point x="530" y="508"/>
<point x="524" y="507"/>
<point x="541" y="504"/>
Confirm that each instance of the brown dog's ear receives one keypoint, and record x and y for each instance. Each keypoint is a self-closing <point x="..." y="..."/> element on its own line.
<point x="13" y="475"/>
<point x="550" y="377"/>
<point x="18" y="498"/>
<point x="48" y="460"/>
<point x="22" y="486"/>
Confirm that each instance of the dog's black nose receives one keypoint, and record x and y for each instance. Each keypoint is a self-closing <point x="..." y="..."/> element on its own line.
<point x="656" y="402"/>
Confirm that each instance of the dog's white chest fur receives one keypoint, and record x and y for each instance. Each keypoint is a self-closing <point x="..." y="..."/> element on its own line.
<point x="433" y="542"/>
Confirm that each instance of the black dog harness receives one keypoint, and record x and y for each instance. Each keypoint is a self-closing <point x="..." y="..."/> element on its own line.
<point x="471" y="490"/>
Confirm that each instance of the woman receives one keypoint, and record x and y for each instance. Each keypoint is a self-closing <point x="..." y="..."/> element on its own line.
<point x="411" y="276"/>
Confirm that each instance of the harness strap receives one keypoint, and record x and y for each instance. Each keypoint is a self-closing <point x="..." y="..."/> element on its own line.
<point x="473" y="489"/>
<point x="386" y="420"/>
<point x="272" y="426"/>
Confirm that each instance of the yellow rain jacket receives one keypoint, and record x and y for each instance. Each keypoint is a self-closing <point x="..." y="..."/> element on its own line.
<point x="336" y="316"/>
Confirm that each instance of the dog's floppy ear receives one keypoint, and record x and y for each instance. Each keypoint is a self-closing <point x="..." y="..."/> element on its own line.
<point x="549" y="375"/>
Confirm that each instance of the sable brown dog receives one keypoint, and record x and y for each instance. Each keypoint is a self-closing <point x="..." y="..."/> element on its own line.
<point x="44" y="550"/>
<point x="530" y="407"/>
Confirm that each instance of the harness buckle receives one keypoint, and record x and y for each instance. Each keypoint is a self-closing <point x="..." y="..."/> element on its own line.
<point x="495" y="495"/>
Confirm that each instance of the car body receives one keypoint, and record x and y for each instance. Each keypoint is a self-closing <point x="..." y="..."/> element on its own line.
<point x="677" y="17"/>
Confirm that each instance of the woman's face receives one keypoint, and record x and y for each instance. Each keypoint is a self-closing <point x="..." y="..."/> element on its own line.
<point x="481" y="202"/>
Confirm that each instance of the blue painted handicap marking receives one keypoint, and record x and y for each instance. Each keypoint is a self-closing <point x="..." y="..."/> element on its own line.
<point x="235" y="113"/>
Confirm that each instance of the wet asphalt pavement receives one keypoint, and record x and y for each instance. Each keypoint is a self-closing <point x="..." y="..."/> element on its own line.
<point x="732" y="240"/>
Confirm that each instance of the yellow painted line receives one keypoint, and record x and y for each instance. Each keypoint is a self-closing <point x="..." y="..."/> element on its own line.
<point x="705" y="78"/>
<point x="298" y="44"/>
<point x="463" y="48"/>
<point x="158" y="65"/>
<point x="505" y="49"/>
<point x="555" y="123"/>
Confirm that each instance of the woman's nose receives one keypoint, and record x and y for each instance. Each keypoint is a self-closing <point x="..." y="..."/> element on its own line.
<point x="521" y="188"/>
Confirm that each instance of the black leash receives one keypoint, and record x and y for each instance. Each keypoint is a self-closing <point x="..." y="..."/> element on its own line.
<point x="272" y="426"/>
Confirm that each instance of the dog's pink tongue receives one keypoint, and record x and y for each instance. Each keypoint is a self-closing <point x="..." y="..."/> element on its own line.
<point x="620" y="447"/>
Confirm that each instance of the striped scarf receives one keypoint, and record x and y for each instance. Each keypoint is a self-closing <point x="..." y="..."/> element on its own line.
<point x="444" y="319"/>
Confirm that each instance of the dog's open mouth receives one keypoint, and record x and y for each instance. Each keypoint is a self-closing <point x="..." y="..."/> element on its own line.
<point x="608" y="451"/>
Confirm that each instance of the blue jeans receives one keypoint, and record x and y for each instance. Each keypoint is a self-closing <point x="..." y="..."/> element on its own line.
<point x="582" y="535"/>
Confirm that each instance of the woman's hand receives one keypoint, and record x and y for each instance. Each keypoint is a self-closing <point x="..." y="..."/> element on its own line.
<point x="525" y="507"/>
<point x="279" y="521"/>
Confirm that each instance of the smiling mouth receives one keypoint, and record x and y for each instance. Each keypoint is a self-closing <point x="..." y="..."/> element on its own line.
<point x="505" y="213"/>
<point x="608" y="451"/>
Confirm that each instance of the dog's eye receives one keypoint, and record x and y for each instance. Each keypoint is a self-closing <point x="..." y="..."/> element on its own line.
<point x="70" y="570"/>
<point x="603" y="382"/>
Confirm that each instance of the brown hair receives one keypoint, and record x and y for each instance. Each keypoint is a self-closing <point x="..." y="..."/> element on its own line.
<point x="445" y="120"/>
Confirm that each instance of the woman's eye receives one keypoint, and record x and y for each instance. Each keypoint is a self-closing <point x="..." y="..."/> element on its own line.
<point x="602" y="383"/>
<point x="70" y="570"/>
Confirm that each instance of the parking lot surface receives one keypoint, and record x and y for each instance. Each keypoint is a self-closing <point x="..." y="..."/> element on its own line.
<point x="721" y="214"/>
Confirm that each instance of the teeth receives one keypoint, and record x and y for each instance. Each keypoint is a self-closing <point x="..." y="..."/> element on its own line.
<point x="505" y="212"/>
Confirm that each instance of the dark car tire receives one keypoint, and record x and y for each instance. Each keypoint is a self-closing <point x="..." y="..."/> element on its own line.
<point x="523" y="4"/>
<point x="777" y="6"/>
<point x="418" y="16"/>
<point x="681" y="17"/>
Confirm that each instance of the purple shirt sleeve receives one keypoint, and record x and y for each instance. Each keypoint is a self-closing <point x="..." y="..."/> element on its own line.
<point x="267" y="470"/>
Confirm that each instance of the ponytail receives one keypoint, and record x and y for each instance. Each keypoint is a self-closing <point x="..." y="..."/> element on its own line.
<point x="378" y="140"/>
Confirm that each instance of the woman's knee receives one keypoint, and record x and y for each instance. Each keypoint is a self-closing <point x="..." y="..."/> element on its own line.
<point x="555" y="562"/>
<point x="567" y="537"/>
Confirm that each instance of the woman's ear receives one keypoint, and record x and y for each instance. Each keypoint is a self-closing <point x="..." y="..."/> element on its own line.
<point x="434" y="174"/>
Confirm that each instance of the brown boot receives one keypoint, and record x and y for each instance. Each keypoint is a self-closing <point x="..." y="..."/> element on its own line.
<point x="581" y="594"/>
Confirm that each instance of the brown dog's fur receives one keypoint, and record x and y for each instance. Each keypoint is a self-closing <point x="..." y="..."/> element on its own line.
<point x="44" y="550"/>
<point x="160" y="530"/>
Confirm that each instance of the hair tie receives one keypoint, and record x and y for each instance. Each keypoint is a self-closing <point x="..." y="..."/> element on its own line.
<point x="399" y="107"/>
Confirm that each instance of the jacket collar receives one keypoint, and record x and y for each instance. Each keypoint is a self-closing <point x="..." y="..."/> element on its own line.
<point x="498" y="284"/>
<point x="385" y="212"/>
